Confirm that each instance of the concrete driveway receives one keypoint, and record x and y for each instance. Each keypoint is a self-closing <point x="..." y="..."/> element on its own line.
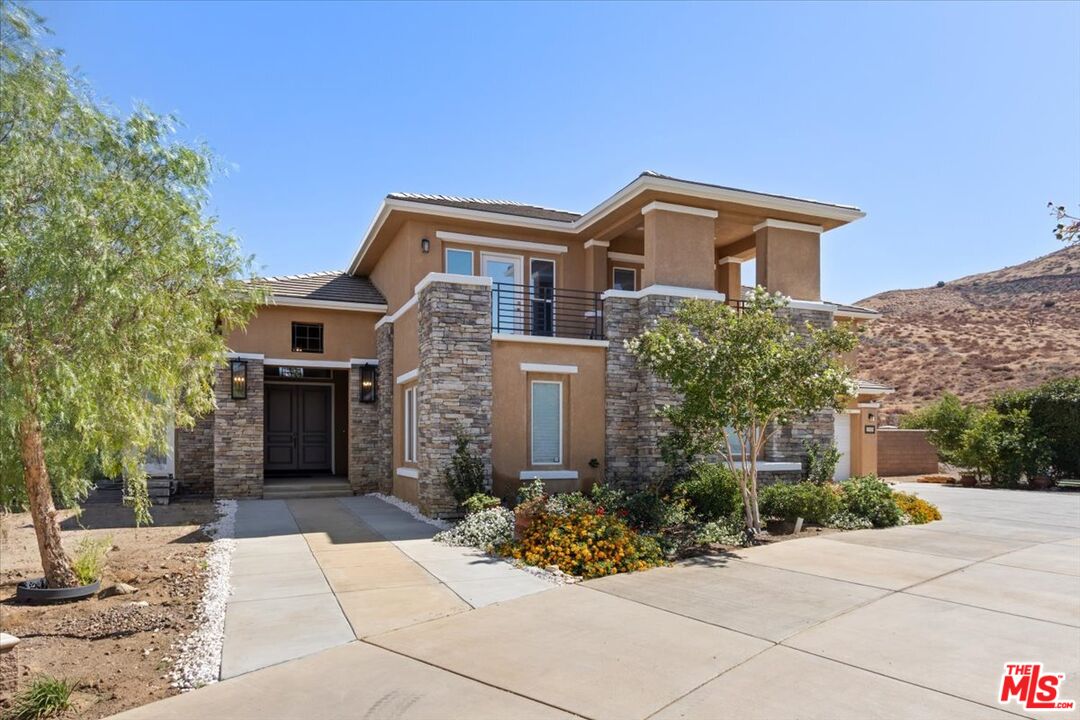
<point x="912" y="622"/>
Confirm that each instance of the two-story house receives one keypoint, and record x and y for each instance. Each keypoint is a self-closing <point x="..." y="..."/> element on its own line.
<point x="506" y="322"/>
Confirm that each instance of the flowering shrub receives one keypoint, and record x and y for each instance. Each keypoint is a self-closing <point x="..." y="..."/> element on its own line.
<point x="484" y="529"/>
<point x="728" y="531"/>
<point x="568" y="503"/>
<point x="916" y="509"/>
<point x="587" y="544"/>
<point x="844" y="520"/>
<point x="870" y="498"/>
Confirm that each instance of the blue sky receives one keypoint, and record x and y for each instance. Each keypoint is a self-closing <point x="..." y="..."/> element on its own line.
<point x="952" y="125"/>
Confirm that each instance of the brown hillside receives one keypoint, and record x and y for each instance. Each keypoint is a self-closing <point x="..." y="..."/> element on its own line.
<point x="1010" y="328"/>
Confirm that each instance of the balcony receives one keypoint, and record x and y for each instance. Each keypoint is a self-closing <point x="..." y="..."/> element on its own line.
<point x="546" y="312"/>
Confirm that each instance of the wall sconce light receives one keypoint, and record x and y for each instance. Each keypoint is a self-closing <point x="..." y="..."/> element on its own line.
<point x="425" y="245"/>
<point x="368" y="375"/>
<point x="238" y="369"/>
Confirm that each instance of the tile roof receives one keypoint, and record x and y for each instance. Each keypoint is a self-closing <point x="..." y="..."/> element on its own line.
<point x="503" y="207"/>
<point x="332" y="285"/>
<point x="651" y="173"/>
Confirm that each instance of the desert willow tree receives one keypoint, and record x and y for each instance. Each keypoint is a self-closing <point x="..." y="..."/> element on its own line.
<point x="742" y="374"/>
<point x="115" y="288"/>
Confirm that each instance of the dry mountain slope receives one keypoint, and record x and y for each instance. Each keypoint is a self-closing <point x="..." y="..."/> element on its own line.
<point x="1010" y="328"/>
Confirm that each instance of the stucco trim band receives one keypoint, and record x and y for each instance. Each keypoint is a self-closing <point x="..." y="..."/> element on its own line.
<point x="408" y="377"/>
<point x="245" y="356"/>
<point x="596" y="243"/>
<point x="548" y="368"/>
<point x="464" y="239"/>
<point x="547" y="340"/>
<point x="789" y="225"/>
<point x="363" y="361"/>
<point x="327" y="304"/>
<point x="342" y="364"/>
<point x="626" y="257"/>
<point x="776" y="466"/>
<point x="683" y="209"/>
<point x="668" y="290"/>
<point x="408" y="472"/>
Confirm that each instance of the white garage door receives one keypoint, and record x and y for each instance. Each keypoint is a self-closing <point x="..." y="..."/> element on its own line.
<point x="842" y="438"/>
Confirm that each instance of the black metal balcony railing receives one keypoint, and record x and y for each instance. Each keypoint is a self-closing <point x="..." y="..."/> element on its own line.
<point x="546" y="312"/>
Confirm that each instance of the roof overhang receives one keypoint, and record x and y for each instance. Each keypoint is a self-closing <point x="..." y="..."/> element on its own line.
<point x="835" y="215"/>
<point x="326" y="304"/>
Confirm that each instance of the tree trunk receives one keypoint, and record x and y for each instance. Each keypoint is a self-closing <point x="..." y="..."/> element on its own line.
<point x="54" y="561"/>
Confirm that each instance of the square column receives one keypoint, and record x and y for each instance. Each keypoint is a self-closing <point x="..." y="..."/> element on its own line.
<point x="454" y="382"/>
<point x="789" y="258"/>
<point x="596" y="278"/>
<point x="679" y="246"/>
<point x="238" y="435"/>
<point x="384" y="384"/>
<point x="729" y="277"/>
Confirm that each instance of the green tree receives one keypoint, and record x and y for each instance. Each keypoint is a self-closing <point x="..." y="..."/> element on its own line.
<point x="946" y="419"/>
<point x="750" y="370"/>
<point x="116" y="288"/>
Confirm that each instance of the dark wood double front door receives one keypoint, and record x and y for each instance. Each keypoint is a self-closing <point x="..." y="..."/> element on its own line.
<point x="298" y="428"/>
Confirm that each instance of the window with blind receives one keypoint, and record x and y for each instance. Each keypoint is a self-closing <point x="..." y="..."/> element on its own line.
<point x="410" y="424"/>
<point x="546" y="422"/>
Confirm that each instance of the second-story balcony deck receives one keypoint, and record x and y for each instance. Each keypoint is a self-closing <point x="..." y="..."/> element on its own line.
<point x="546" y="312"/>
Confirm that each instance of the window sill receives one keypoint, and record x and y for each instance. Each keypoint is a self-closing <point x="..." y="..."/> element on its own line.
<point x="548" y="474"/>
<point x="408" y="472"/>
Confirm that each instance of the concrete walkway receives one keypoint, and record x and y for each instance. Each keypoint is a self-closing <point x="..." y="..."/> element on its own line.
<point x="309" y="575"/>
<point x="912" y="622"/>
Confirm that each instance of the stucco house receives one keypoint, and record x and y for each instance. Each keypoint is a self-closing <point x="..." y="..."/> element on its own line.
<point x="505" y="321"/>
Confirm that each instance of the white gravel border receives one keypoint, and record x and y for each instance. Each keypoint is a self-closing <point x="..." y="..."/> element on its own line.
<point x="199" y="654"/>
<point x="412" y="510"/>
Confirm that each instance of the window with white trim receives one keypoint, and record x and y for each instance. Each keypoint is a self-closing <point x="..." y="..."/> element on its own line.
<point x="459" y="262"/>
<point x="623" y="279"/>
<point x="410" y="424"/>
<point x="546" y="422"/>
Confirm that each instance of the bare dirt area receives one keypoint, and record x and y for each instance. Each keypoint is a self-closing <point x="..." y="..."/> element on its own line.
<point x="119" y="648"/>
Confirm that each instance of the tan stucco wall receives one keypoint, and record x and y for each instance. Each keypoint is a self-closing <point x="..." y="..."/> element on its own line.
<point x="403" y="263"/>
<point x="583" y="411"/>
<point x="789" y="262"/>
<point x="406" y="358"/>
<point x="346" y="334"/>
<point x="679" y="250"/>
<point x="863" y="444"/>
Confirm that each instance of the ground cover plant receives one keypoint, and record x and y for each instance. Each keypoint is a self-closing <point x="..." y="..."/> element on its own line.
<point x="46" y="697"/>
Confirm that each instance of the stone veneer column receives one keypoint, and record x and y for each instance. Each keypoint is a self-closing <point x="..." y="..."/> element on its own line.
<point x="454" y="383"/>
<point x="788" y="443"/>
<point x="195" y="457"/>
<point x="634" y="395"/>
<point x="621" y="322"/>
<point x="384" y="351"/>
<point x="367" y="453"/>
<point x="238" y="435"/>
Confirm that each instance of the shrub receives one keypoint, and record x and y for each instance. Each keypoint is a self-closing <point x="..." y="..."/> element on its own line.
<point x="947" y="419"/>
<point x="568" y="503"/>
<point x="729" y="531"/>
<point x="918" y="511"/>
<point x="814" y="503"/>
<point x="844" y="520"/>
<point x="821" y="461"/>
<point x="712" y="491"/>
<point x="870" y="498"/>
<point x="46" y="696"/>
<point x="480" y="501"/>
<point x="89" y="560"/>
<point x="1054" y="411"/>
<point x="649" y="512"/>
<point x="531" y="492"/>
<point x="484" y="529"/>
<point x="608" y="497"/>
<point x="465" y="475"/>
<point x="589" y="545"/>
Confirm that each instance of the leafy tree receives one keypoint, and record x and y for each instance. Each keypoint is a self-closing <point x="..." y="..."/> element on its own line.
<point x="116" y="289"/>
<point x="946" y="419"/>
<point x="1054" y="411"/>
<point x="750" y="370"/>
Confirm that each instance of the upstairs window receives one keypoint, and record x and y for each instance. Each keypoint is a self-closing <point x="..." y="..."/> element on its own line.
<point x="307" y="337"/>
<point x="459" y="262"/>
<point x="623" y="279"/>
